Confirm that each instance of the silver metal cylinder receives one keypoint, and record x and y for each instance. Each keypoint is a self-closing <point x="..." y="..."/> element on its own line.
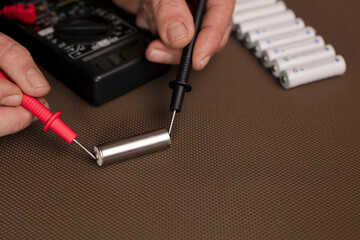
<point x="136" y="146"/>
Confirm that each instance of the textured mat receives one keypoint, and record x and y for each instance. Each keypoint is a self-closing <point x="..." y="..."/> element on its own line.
<point x="248" y="160"/>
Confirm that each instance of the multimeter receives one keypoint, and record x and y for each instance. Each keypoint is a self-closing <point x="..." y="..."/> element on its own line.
<point x="89" y="45"/>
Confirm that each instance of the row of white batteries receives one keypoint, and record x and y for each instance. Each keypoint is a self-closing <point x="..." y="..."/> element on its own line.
<point x="293" y="51"/>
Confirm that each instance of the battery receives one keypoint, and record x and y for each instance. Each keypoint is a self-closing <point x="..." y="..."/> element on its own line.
<point x="246" y="5"/>
<point x="241" y="16"/>
<point x="257" y="34"/>
<point x="283" y="39"/>
<point x="281" y="64"/>
<point x="311" y="72"/>
<point x="246" y="26"/>
<point x="132" y="147"/>
<point x="290" y="49"/>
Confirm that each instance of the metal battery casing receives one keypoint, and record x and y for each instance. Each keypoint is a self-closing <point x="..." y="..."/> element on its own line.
<point x="302" y="58"/>
<point x="247" y="5"/>
<point x="262" y="11"/>
<point x="132" y="147"/>
<point x="283" y="39"/>
<point x="289" y="49"/>
<point x="265" y="32"/>
<point x="246" y="26"/>
<point x="311" y="72"/>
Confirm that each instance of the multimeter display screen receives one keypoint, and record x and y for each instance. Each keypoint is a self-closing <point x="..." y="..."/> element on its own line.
<point x="118" y="56"/>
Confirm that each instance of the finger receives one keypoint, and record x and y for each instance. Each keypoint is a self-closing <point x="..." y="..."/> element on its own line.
<point x="150" y="17"/>
<point x="174" y="22"/>
<point x="14" y="119"/>
<point x="17" y="63"/>
<point x="225" y="37"/>
<point x="215" y="21"/>
<point x="159" y="53"/>
<point x="129" y="6"/>
<point x="141" y="20"/>
<point x="10" y="94"/>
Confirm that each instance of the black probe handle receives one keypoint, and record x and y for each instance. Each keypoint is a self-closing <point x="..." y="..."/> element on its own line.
<point x="180" y="85"/>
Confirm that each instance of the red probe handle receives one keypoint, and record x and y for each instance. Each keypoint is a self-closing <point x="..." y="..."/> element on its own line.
<point x="51" y="120"/>
<point x="24" y="12"/>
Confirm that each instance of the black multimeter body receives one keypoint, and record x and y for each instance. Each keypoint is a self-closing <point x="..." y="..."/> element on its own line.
<point x="88" y="45"/>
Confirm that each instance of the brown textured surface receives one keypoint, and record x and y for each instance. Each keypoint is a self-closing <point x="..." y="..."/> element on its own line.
<point x="249" y="160"/>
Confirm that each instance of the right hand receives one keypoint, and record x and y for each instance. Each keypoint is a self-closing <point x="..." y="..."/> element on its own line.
<point x="174" y="23"/>
<point x="17" y="64"/>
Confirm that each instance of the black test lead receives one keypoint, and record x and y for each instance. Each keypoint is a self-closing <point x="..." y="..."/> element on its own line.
<point x="180" y="85"/>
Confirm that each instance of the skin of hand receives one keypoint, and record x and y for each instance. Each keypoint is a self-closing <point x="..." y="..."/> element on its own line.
<point x="173" y="22"/>
<point x="17" y="64"/>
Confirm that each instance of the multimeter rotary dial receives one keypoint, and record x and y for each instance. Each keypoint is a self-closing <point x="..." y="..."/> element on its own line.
<point x="83" y="29"/>
<point x="80" y="29"/>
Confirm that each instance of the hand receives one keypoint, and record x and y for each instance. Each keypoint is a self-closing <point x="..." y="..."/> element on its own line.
<point x="17" y="64"/>
<point x="173" y="21"/>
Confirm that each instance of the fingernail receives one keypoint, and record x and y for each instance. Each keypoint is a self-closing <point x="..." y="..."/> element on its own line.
<point x="160" y="56"/>
<point x="176" y="31"/>
<point x="36" y="79"/>
<point x="204" y="61"/>
<point x="12" y="100"/>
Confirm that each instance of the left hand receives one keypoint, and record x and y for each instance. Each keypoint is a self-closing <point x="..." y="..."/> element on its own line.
<point x="173" y="21"/>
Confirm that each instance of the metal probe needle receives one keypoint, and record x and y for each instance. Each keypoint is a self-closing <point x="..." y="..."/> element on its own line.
<point x="85" y="149"/>
<point x="172" y="121"/>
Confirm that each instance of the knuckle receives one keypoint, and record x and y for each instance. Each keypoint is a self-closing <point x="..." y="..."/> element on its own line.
<point x="164" y="7"/>
<point x="13" y="50"/>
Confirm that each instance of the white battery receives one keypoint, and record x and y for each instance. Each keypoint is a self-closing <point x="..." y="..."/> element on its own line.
<point x="290" y="49"/>
<point x="241" y="16"/>
<point x="257" y="34"/>
<point x="246" y="5"/>
<point x="246" y="26"/>
<point x="311" y="72"/>
<point x="284" y="63"/>
<point x="283" y="39"/>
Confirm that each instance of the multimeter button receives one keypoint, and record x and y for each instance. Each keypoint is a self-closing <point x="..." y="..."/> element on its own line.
<point x="115" y="59"/>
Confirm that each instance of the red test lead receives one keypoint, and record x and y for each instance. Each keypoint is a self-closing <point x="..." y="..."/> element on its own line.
<point x="24" y="12"/>
<point x="51" y="120"/>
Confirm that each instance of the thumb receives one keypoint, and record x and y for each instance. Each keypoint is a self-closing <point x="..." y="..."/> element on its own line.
<point x="174" y="22"/>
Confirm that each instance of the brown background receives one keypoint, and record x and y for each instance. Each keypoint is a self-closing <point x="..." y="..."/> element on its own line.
<point x="249" y="160"/>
